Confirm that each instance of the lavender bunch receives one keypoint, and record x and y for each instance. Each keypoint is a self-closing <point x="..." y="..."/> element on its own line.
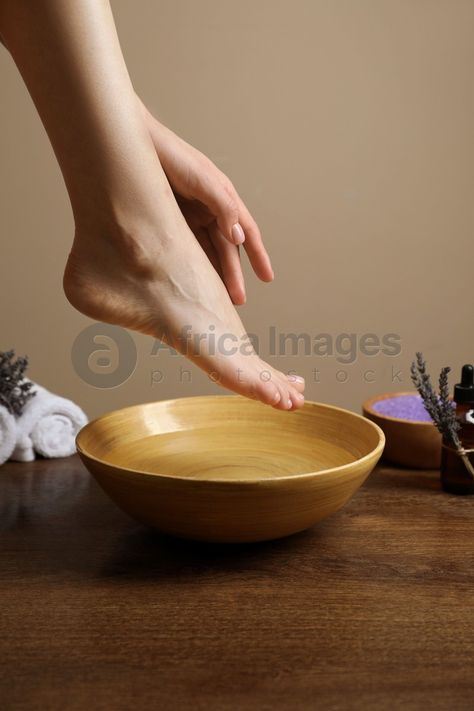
<point x="439" y="405"/>
<point x="14" y="389"/>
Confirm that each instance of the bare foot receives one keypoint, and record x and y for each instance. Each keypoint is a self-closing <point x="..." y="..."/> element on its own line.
<point x="157" y="279"/>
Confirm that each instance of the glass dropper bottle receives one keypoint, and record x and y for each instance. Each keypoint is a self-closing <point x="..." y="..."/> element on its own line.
<point x="455" y="476"/>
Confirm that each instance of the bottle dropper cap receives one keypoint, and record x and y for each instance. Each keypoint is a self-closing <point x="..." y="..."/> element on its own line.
<point x="464" y="391"/>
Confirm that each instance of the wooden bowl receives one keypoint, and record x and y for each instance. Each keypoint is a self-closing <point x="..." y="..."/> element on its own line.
<point x="229" y="469"/>
<point x="409" y="443"/>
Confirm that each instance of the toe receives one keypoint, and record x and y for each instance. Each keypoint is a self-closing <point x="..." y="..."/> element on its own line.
<point x="268" y="393"/>
<point x="285" y="402"/>
<point x="297" y="399"/>
<point x="297" y="382"/>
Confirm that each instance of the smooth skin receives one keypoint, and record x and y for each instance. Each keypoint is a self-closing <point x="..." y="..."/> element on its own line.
<point x="157" y="224"/>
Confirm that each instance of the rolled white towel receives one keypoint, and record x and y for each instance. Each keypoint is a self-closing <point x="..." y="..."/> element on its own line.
<point x="7" y="434"/>
<point x="48" y="426"/>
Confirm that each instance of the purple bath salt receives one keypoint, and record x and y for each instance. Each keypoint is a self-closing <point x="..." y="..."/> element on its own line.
<point x="405" y="407"/>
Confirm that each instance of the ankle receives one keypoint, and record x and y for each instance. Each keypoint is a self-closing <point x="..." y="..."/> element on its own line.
<point x="133" y="243"/>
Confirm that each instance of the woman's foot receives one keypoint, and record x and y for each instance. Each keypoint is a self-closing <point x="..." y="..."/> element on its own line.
<point x="157" y="280"/>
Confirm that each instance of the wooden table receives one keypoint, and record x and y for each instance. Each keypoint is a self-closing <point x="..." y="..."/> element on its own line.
<point x="372" y="609"/>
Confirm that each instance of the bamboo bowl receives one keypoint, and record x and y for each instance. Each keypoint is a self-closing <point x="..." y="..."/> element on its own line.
<point x="229" y="469"/>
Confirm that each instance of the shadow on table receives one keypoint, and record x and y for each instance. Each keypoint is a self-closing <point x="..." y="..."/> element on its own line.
<point x="148" y="554"/>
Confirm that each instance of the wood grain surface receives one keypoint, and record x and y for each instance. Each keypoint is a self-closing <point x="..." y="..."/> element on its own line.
<point x="371" y="609"/>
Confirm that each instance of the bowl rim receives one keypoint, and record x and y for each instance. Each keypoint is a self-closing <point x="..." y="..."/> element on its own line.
<point x="375" y="453"/>
<point x="367" y="406"/>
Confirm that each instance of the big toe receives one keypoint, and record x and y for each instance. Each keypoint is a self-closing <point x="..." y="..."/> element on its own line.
<point x="296" y="381"/>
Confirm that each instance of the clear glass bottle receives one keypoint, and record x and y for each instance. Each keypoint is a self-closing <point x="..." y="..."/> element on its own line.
<point x="455" y="477"/>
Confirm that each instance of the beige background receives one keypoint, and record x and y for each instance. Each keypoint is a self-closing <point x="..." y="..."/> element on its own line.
<point x="348" y="129"/>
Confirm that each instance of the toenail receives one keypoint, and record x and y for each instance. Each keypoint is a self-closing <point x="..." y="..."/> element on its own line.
<point x="277" y="398"/>
<point x="295" y="378"/>
<point x="290" y="404"/>
<point x="300" y="396"/>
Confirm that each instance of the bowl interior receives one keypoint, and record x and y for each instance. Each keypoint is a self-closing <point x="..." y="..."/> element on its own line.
<point x="228" y="438"/>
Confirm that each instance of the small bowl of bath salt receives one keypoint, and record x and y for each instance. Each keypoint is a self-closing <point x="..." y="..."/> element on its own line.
<point x="412" y="440"/>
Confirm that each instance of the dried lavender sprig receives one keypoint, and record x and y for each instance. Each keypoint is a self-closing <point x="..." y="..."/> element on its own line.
<point x="447" y="410"/>
<point x="14" y="388"/>
<point x="439" y="406"/>
<point x="422" y="382"/>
